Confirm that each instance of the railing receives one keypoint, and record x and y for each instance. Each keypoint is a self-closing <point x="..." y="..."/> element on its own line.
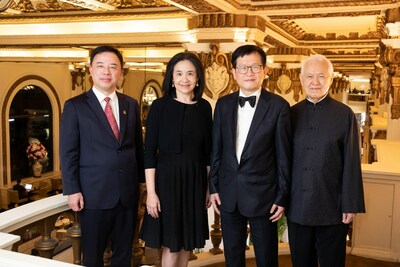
<point x="14" y="230"/>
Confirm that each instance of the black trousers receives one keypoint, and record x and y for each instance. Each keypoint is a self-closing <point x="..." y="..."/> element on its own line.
<point x="99" y="226"/>
<point x="312" y="244"/>
<point x="263" y="233"/>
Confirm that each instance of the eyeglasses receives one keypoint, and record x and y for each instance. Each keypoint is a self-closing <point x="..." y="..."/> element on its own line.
<point x="244" y="69"/>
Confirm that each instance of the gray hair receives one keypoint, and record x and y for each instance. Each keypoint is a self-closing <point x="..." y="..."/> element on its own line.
<point x="319" y="58"/>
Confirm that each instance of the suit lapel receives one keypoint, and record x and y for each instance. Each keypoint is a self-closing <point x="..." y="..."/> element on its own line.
<point x="233" y="118"/>
<point x="123" y="115"/>
<point x="259" y="115"/>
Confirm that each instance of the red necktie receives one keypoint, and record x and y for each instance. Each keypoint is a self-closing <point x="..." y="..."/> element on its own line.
<point x="111" y="118"/>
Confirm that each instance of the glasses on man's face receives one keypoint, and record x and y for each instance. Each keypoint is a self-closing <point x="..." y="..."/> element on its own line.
<point x="244" y="69"/>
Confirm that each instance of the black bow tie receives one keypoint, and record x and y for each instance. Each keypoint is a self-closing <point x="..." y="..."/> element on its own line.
<point x="251" y="99"/>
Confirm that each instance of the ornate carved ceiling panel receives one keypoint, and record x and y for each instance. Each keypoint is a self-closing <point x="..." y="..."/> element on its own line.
<point x="199" y="6"/>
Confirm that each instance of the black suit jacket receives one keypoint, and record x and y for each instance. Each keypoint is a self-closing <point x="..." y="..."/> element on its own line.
<point x="92" y="160"/>
<point x="263" y="176"/>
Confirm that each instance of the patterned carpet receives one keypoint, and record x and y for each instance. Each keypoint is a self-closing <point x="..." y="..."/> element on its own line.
<point x="351" y="261"/>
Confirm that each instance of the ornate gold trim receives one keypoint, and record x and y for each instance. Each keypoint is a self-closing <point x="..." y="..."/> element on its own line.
<point x="223" y="20"/>
<point x="256" y="6"/>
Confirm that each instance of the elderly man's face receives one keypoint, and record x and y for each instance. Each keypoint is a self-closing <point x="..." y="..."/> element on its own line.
<point x="316" y="79"/>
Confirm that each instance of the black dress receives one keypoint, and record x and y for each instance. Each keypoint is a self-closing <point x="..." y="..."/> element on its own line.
<point x="181" y="184"/>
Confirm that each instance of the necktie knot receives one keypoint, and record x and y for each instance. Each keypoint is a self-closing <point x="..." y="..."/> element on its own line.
<point x="251" y="99"/>
<point x="107" y="99"/>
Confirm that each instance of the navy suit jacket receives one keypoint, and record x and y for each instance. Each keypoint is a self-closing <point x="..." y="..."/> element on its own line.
<point x="263" y="176"/>
<point x="93" y="162"/>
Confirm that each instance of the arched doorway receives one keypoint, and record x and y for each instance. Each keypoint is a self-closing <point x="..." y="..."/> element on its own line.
<point x="30" y="118"/>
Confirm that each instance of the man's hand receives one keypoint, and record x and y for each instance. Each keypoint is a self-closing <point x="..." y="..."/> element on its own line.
<point x="215" y="202"/>
<point x="277" y="212"/>
<point x="75" y="201"/>
<point x="348" y="217"/>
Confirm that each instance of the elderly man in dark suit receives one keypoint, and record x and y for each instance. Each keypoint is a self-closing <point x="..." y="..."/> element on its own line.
<point x="327" y="188"/>
<point x="102" y="161"/>
<point x="250" y="161"/>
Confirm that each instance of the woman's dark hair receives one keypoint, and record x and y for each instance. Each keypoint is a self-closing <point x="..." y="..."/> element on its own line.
<point x="106" y="48"/>
<point x="245" y="50"/>
<point x="167" y="83"/>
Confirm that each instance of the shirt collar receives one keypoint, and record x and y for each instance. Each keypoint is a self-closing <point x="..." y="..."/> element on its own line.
<point x="327" y="93"/>
<point x="256" y="93"/>
<point x="100" y="96"/>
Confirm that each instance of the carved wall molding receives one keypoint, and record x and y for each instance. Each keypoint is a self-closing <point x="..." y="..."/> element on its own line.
<point x="374" y="81"/>
<point x="277" y="5"/>
<point x="339" y="84"/>
<point x="355" y="52"/>
<point x="390" y="79"/>
<point x="219" y="78"/>
<point x="326" y="15"/>
<point x="389" y="55"/>
<point x="199" y="6"/>
<point x="4" y="5"/>
<point x="395" y="92"/>
<point x="138" y="3"/>
<point x="289" y="51"/>
<point x="57" y="5"/>
<point x="296" y="31"/>
<point x="284" y="81"/>
<point x="393" y="15"/>
<point x="227" y="21"/>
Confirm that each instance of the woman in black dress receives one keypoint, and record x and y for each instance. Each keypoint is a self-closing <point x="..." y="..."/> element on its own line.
<point x="177" y="150"/>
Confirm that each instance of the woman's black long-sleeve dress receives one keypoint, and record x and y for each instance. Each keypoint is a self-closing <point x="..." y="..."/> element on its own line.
<point x="178" y="146"/>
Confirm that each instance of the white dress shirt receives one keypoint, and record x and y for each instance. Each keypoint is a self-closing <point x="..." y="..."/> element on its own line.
<point x="244" y="119"/>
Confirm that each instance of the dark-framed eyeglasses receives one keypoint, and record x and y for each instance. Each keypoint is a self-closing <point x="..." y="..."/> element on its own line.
<point x="244" y="69"/>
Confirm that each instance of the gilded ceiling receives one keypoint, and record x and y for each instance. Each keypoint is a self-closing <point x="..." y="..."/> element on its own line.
<point x="348" y="31"/>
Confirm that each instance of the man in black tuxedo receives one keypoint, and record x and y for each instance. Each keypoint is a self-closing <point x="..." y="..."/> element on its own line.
<point x="250" y="161"/>
<point x="327" y="189"/>
<point x="101" y="154"/>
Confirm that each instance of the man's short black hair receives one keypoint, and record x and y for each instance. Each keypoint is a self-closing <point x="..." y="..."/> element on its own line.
<point x="106" y="48"/>
<point x="245" y="50"/>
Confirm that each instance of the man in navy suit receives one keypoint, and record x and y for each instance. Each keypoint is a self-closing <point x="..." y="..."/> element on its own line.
<point x="250" y="161"/>
<point x="102" y="162"/>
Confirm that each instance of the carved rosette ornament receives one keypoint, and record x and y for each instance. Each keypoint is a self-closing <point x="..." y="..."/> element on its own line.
<point x="219" y="78"/>
<point x="391" y="59"/>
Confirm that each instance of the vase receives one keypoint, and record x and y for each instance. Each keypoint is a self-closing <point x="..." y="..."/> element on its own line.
<point x="37" y="169"/>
